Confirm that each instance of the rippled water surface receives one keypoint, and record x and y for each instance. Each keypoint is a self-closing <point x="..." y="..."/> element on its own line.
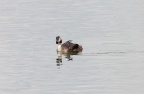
<point x="111" y="32"/>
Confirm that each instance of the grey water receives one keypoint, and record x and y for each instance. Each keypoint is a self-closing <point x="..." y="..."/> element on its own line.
<point x="111" y="32"/>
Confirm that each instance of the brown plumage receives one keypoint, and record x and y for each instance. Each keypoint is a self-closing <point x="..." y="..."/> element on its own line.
<point x="68" y="46"/>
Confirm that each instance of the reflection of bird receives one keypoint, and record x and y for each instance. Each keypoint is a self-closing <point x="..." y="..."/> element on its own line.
<point x="68" y="46"/>
<point x="68" y="56"/>
<point x="59" y="59"/>
<point x="59" y="62"/>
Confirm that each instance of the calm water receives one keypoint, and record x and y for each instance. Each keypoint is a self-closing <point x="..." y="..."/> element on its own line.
<point x="111" y="32"/>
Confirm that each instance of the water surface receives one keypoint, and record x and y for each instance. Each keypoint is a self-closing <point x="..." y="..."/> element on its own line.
<point x="111" y="33"/>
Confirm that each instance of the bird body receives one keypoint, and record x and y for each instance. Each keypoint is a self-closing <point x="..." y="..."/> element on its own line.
<point x="68" y="46"/>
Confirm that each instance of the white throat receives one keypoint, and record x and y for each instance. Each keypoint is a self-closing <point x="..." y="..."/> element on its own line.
<point x="59" y="48"/>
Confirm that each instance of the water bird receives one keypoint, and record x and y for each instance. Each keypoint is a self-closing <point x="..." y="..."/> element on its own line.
<point x="68" y="46"/>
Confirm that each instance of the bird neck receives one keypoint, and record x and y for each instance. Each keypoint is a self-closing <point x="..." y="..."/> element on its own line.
<point x="59" y="47"/>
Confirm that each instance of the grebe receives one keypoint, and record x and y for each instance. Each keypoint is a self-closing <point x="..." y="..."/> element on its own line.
<point x="68" y="46"/>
